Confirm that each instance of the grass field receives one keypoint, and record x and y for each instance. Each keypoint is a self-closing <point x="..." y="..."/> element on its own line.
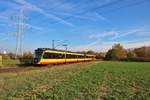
<point x="9" y="63"/>
<point x="88" y="81"/>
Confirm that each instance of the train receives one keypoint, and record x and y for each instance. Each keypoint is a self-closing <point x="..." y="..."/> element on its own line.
<point x="46" y="56"/>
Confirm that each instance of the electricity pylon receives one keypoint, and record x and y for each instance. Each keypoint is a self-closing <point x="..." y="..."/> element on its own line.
<point x="19" y="34"/>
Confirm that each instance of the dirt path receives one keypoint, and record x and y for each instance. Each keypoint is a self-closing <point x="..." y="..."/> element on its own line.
<point x="26" y="68"/>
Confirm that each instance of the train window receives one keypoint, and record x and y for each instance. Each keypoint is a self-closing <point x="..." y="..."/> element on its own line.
<point x="60" y="56"/>
<point x="71" y="56"/>
<point x="46" y="56"/>
<point x="80" y="56"/>
<point x="74" y="56"/>
<point x="68" y="56"/>
<point x="89" y="56"/>
<point x="55" y="56"/>
<point x="49" y="55"/>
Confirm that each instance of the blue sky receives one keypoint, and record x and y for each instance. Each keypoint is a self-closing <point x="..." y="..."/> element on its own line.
<point x="87" y="25"/>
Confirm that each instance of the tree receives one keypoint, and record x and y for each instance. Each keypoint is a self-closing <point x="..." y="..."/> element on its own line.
<point x="116" y="53"/>
<point x="11" y="55"/>
<point x="100" y="55"/>
<point x="28" y="55"/>
<point x="90" y="52"/>
<point x="131" y="54"/>
<point x="143" y="52"/>
<point x="5" y="56"/>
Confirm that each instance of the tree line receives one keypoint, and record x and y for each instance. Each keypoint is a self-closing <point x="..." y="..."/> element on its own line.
<point x="26" y="55"/>
<point x="117" y="52"/>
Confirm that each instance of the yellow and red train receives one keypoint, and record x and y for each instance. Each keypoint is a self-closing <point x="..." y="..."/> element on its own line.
<point x="45" y="56"/>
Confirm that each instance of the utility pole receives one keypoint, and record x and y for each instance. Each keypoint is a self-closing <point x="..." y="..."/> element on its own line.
<point x="19" y="35"/>
<point x="66" y="47"/>
<point x="53" y="44"/>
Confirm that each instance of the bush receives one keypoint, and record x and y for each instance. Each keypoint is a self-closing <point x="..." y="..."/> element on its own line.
<point x="27" y="58"/>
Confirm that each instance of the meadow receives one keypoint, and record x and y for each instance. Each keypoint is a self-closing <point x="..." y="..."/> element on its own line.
<point x="9" y="63"/>
<point x="103" y="80"/>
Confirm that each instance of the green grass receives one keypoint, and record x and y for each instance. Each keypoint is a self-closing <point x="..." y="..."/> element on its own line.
<point x="9" y="63"/>
<point x="94" y="80"/>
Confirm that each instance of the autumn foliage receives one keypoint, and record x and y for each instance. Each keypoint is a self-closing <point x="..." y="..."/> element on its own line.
<point x="119" y="53"/>
<point x="116" y="53"/>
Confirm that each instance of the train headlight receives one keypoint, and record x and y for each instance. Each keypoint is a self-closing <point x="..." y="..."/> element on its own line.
<point x="36" y="60"/>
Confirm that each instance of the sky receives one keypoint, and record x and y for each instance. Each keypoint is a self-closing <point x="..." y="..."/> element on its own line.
<point x="82" y="24"/>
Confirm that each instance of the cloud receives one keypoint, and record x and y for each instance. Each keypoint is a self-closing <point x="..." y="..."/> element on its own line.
<point x="101" y="17"/>
<point x="102" y="35"/>
<point x="3" y="39"/>
<point x="31" y="7"/>
<point x="8" y="20"/>
<point x="104" y="46"/>
<point x="123" y="34"/>
<point x="87" y="16"/>
<point x="33" y="27"/>
<point x="104" y="41"/>
<point x="113" y="35"/>
<point x="69" y="8"/>
<point x="137" y="44"/>
<point x="3" y="24"/>
<point x="86" y="47"/>
<point x="2" y="17"/>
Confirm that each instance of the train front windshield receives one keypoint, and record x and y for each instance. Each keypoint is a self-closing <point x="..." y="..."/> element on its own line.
<point x="38" y="54"/>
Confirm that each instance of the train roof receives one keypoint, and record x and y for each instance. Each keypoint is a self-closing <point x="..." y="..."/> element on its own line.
<point x="62" y="51"/>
